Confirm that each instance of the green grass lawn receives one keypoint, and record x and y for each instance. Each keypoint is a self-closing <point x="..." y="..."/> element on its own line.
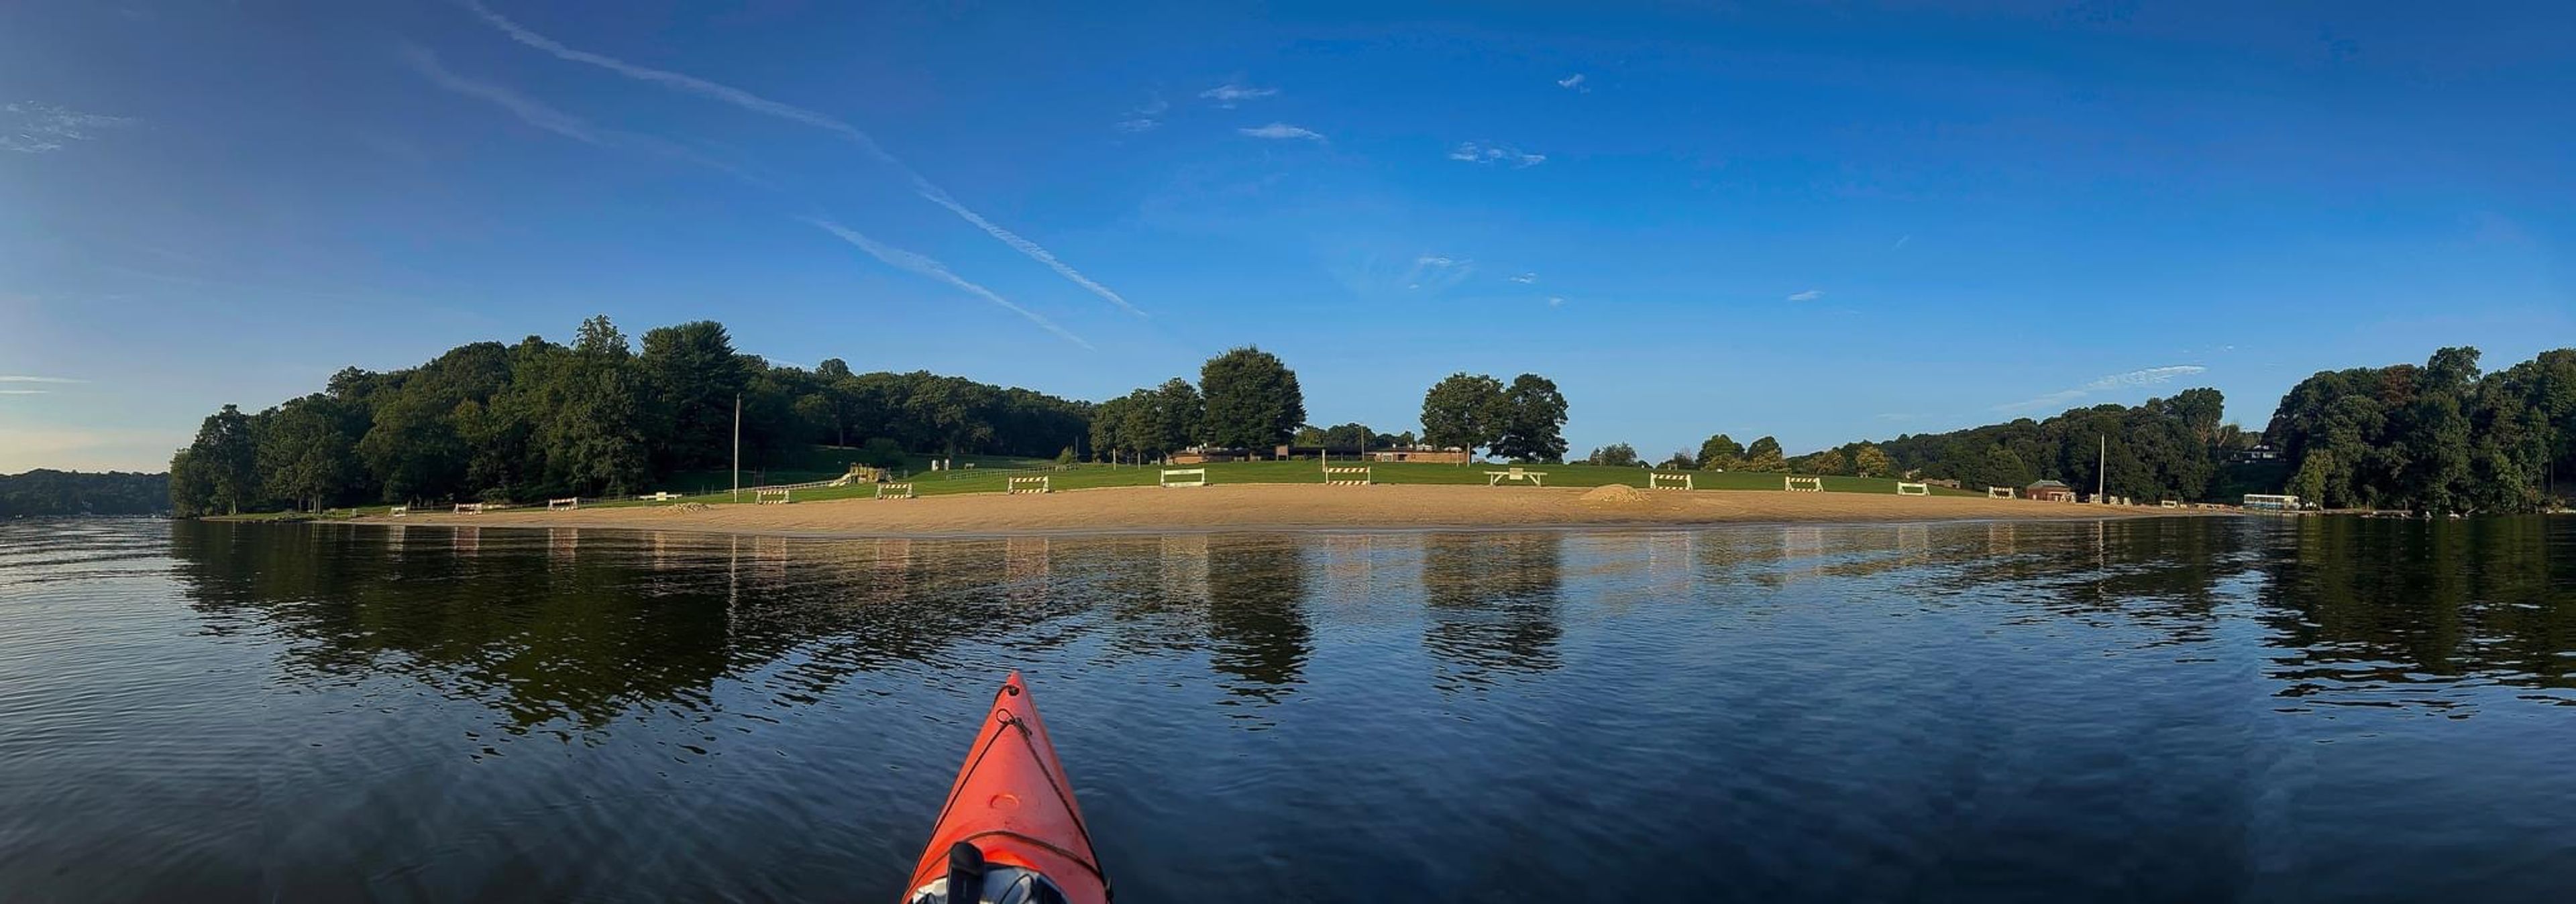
<point x="812" y="463"/>
<point x="991" y="476"/>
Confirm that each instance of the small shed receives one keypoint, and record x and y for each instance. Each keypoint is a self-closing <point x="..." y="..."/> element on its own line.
<point x="2048" y="491"/>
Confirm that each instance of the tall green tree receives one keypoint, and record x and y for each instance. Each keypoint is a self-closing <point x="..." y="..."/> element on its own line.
<point x="1532" y="421"/>
<point x="1464" y="411"/>
<point x="222" y="465"/>
<point x="1251" y="400"/>
<point x="1870" y="461"/>
<point x="1764" y="456"/>
<point x="1720" y="453"/>
<point x="306" y="453"/>
<point x="1617" y="455"/>
<point x="692" y="375"/>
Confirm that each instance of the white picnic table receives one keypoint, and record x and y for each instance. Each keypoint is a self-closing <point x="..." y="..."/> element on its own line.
<point x="1495" y="478"/>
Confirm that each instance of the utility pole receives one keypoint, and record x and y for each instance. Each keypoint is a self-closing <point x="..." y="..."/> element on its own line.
<point x="2102" y="467"/>
<point x="737" y="447"/>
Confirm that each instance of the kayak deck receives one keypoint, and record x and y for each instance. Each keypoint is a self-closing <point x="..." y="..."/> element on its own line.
<point x="1010" y="826"/>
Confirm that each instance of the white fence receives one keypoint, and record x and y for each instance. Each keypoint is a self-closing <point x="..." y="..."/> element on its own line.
<point x="401" y="510"/>
<point x="557" y="505"/>
<point x="469" y="508"/>
<point x="894" y="491"/>
<point x="1913" y="489"/>
<point x="1347" y="477"/>
<point x="1030" y="485"/>
<point x="1184" y="477"/>
<point x="773" y="495"/>
<point x="1658" y="480"/>
<point x="2168" y="503"/>
<point x="2000" y="493"/>
<point x="1803" y="484"/>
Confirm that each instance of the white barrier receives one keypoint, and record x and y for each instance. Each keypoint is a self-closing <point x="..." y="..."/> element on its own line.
<point x="1345" y="477"/>
<point x="1913" y="489"/>
<point x="1803" y="484"/>
<point x="556" y="505"/>
<point x="2168" y="503"/>
<point x="1658" y="480"/>
<point x="1030" y="485"/>
<point x="664" y="496"/>
<point x="469" y="508"/>
<point x="401" y="510"/>
<point x="1184" y="477"/>
<point x="779" y="496"/>
<point x="894" y="491"/>
<point x="2000" y="493"/>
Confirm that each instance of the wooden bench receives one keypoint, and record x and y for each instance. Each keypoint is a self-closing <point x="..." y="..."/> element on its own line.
<point x="1346" y="477"/>
<point x="556" y="505"/>
<point x="1803" y="484"/>
<point x="1913" y="489"/>
<point x="1496" y="478"/>
<point x="400" y="510"/>
<point x="1658" y="480"/>
<point x="469" y="508"/>
<point x="2001" y="493"/>
<point x="894" y="491"/>
<point x="779" y="496"/>
<point x="1039" y="484"/>
<point x="1184" y="477"/>
<point x="2168" y="503"/>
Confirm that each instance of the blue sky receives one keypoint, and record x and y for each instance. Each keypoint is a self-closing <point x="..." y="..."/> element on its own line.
<point x="1821" y="222"/>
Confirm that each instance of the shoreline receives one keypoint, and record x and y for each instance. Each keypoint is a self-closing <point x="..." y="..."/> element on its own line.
<point x="1286" y="507"/>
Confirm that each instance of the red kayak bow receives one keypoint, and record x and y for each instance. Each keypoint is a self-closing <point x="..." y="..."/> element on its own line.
<point x="1010" y="831"/>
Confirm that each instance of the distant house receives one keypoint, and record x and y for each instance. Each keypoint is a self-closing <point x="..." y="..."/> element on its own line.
<point x="2048" y="491"/>
<point x="1449" y="456"/>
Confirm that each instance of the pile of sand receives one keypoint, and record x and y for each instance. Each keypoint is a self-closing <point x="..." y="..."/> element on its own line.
<point x="1613" y="494"/>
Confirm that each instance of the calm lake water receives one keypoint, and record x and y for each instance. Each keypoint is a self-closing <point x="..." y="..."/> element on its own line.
<point x="2179" y="709"/>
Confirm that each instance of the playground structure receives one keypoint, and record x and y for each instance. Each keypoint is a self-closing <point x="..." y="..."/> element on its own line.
<point x="1183" y="477"/>
<point x="1348" y="477"/>
<point x="1039" y="484"/>
<point x="2001" y="493"/>
<point x="400" y="510"/>
<point x="860" y="474"/>
<point x="773" y="496"/>
<point x="469" y="508"/>
<point x="1658" y="480"/>
<point x="1535" y="478"/>
<point x="1913" y="489"/>
<point x="894" y="491"/>
<point x="1803" y="484"/>
<point x="558" y="505"/>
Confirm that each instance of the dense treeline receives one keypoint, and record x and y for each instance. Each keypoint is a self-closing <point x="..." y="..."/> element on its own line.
<point x="538" y="419"/>
<point x="2434" y="438"/>
<point x="1246" y="398"/>
<point x="49" y="492"/>
<point x="2168" y="448"/>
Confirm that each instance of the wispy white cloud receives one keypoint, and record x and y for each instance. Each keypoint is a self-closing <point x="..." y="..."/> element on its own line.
<point x="1282" y="130"/>
<point x="755" y="103"/>
<point x="2149" y="376"/>
<point x="1145" y="118"/>
<point x="1524" y="278"/>
<point x="924" y="265"/>
<point x="34" y="128"/>
<point x="1572" y="82"/>
<point x="1555" y="301"/>
<point x="1229" y="94"/>
<point x="1809" y="295"/>
<point x="537" y="113"/>
<point x="1481" y="152"/>
<point x="18" y="378"/>
<point x="1902" y="241"/>
<point x="25" y="391"/>
<point x="1436" y="260"/>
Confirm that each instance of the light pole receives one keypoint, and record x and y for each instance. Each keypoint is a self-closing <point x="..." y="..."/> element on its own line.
<point x="737" y="447"/>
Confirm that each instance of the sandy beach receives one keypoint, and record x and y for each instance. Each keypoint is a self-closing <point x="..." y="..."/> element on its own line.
<point x="1286" y="506"/>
